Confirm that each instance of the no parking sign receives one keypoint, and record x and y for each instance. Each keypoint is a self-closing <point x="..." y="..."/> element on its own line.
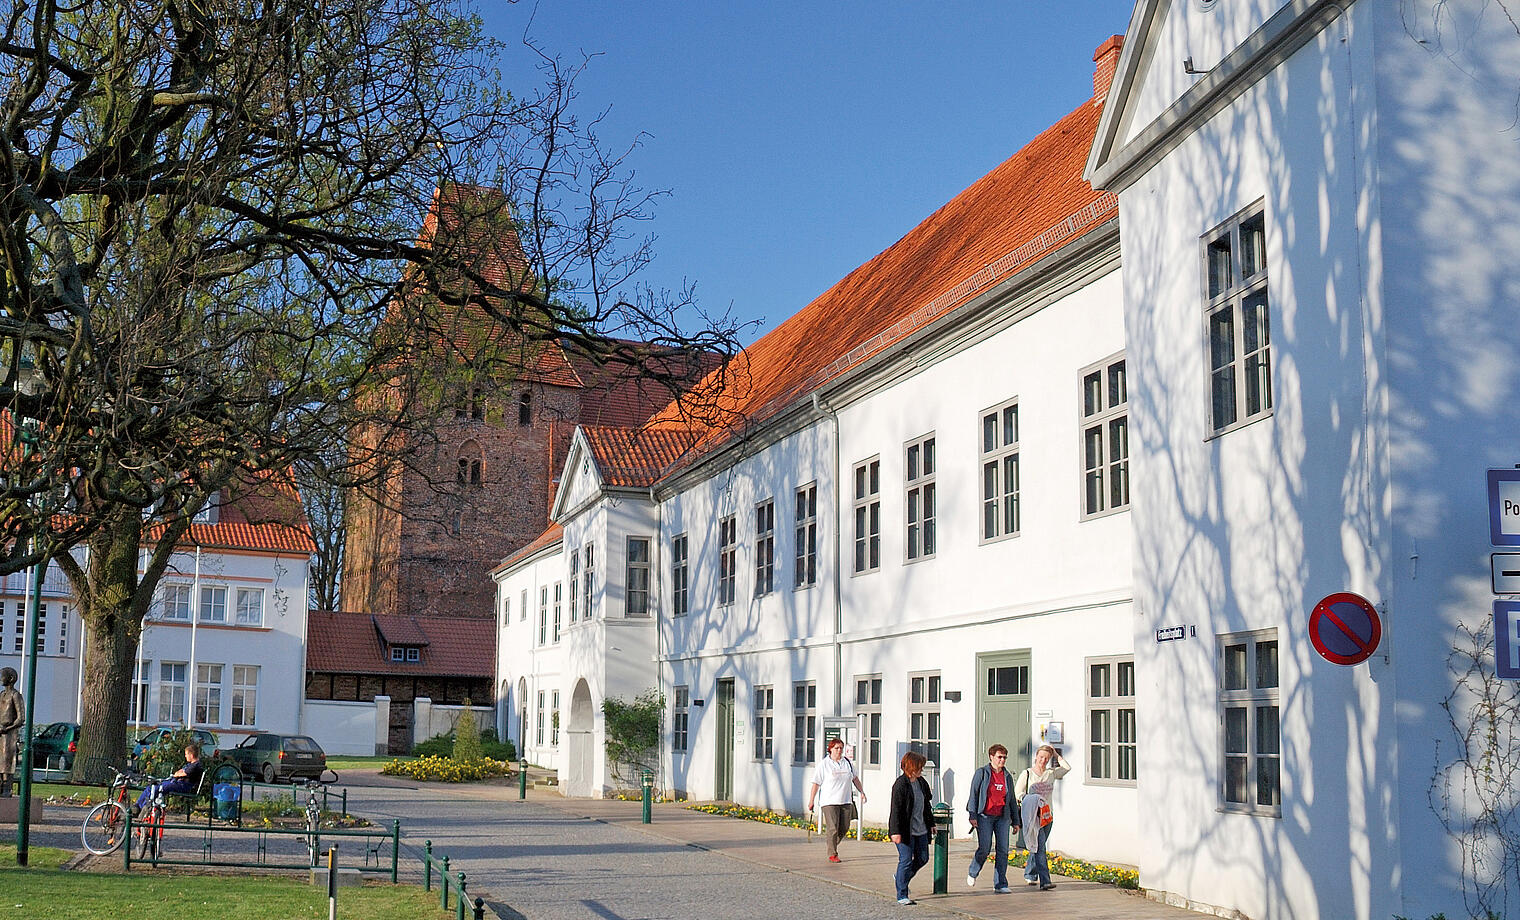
<point x="1345" y="628"/>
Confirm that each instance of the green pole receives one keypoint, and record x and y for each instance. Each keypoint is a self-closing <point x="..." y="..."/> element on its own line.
<point x="648" y="785"/>
<point x="942" y="815"/>
<point x="395" y="848"/>
<point x="522" y="779"/>
<point x="427" y="865"/>
<point x="443" y="888"/>
<point x="24" y="815"/>
<point x="459" y="904"/>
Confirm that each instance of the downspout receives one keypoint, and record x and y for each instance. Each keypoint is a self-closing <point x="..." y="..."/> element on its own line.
<point x="820" y="407"/>
<point x="655" y="561"/>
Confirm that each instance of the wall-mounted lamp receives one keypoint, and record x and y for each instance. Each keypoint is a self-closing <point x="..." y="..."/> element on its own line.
<point x="953" y="696"/>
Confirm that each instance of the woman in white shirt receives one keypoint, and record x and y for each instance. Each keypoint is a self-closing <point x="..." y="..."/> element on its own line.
<point x="834" y="776"/>
<point x="1033" y="790"/>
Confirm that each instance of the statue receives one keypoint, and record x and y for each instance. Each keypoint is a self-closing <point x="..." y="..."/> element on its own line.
<point x="12" y="715"/>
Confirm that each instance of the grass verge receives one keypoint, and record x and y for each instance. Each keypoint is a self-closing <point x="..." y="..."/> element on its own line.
<point x="51" y="892"/>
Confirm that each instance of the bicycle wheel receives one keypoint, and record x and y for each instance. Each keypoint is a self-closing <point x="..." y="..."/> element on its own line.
<point x="149" y="831"/>
<point x="104" y="828"/>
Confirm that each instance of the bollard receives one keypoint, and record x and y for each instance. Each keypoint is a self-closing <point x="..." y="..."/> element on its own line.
<point x="648" y="783"/>
<point x="480" y="909"/>
<point x="459" y="904"/>
<point x="942" y="816"/>
<point x="443" y="884"/>
<point x="522" y="779"/>
<point x="332" y="884"/>
<point x="427" y="865"/>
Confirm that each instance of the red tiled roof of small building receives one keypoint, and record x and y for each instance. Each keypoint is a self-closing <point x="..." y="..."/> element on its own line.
<point x="355" y="643"/>
<point x="1026" y="208"/>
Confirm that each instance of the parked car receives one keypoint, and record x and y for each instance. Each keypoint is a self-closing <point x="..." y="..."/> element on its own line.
<point x="272" y="757"/>
<point x="208" y="741"/>
<point x="55" y="744"/>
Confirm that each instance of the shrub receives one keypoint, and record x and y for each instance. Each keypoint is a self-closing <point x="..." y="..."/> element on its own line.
<point x="496" y="749"/>
<point x="633" y="733"/>
<point x="167" y="754"/>
<point x="436" y="746"/>
<point x="466" y="735"/>
<point x="446" y="769"/>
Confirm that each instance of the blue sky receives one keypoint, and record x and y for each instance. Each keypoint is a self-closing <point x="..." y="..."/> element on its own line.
<point x="799" y="140"/>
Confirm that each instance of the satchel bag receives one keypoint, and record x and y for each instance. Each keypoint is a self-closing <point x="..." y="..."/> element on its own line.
<point x="850" y="814"/>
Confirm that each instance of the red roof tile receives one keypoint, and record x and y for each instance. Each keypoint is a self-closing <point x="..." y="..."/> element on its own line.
<point x="636" y="457"/>
<point x="354" y="643"/>
<point x="553" y="535"/>
<point x="236" y="535"/>
<point x="1026" y="208"/>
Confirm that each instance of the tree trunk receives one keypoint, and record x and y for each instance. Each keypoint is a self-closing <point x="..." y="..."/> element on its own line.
<point x="113" y="612"/>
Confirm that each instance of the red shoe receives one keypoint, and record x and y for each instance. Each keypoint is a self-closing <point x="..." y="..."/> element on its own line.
<point x="834" y="859"/>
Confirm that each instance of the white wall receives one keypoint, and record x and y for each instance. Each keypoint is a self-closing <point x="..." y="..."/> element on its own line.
<point x="341" y="727"/>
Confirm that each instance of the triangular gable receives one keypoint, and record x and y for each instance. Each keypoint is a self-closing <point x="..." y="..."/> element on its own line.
<point x="1155" y="102"/>
<point x="581" y="480"/>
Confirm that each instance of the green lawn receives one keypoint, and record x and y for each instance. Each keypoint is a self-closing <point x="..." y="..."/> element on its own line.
<point x="42" y="891"/>
<point x="341" y="762"/>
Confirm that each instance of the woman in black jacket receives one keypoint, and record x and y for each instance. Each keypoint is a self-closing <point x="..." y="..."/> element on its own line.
<point x="911" y="822"/>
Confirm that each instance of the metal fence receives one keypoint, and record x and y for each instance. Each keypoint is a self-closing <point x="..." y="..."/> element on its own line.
<point x="220" y="845"/>
<point x="446" y="882"/>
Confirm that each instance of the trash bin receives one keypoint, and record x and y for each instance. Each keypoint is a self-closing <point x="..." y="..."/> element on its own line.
<point x="226" y="797"/>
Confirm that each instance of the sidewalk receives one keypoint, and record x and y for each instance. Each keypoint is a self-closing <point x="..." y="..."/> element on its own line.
<point x="868" y="866"/>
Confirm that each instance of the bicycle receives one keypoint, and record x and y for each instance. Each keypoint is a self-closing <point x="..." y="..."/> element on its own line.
<point x="314" y="814"/>
<point x="106" y="824"/>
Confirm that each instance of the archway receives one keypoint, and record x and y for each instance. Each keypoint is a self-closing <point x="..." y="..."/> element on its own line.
<point x="504" y="707"/>
<point x="522" y="717"/>
<point x="580" y="761"/>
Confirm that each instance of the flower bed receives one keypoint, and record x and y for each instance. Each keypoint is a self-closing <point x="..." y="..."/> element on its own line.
<point x="447" y="769"/>
<point x="1117" y="876"/>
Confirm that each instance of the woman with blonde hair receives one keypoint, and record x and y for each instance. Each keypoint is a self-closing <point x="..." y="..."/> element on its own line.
<point x="910" y="822"/>
<point x="1033" y="790"/>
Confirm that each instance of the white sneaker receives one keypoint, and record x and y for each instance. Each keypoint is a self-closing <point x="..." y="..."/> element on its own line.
<point x="906" y="901"/>
<point x="970" y="881"/>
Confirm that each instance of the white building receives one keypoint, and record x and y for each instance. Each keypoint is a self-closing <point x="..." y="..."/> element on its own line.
<point x="1314" y="340"/>
<point x="58" y="632"/>
<point x="1321" y="322"/>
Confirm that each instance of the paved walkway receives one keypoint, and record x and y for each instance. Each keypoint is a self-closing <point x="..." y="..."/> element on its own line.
<point x="552" y="858"/>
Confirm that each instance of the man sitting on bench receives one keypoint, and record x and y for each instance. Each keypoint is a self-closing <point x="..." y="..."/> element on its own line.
<point x="185" y="781"/>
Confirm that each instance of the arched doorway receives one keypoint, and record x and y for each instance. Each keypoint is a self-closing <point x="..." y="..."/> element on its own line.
<point x="580" y="762"/>
<point x="522" y="717"/>
<point x="504" y="707"/>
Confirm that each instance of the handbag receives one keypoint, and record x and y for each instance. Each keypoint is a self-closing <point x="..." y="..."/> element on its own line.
<point x="850" y="814"/>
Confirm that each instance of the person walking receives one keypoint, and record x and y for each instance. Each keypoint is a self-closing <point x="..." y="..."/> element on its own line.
<point x="910" y="822"/>
<point x="831" y="785"/>
<point x="991" y="807"/>
<point x="1033" y="790"/>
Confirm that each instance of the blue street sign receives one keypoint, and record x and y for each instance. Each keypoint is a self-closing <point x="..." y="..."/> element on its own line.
<point x="1504" y="507"/>
<point x="1507" y="639"/>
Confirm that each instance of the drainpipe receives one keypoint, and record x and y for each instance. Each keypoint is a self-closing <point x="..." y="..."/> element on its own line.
<point x="820" y="407"/>
<point x="655" y="561"/>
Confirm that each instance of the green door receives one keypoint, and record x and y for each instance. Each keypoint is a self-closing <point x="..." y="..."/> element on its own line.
<point x="724" y="759"/>
<point x="1003" y="709"/>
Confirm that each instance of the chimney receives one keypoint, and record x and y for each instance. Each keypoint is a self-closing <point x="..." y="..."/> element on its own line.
<point x="1105" y="61"/>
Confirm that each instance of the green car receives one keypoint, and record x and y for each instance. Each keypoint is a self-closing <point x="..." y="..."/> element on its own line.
<point x="54" y="744"/>
<point x="272" y="758"/>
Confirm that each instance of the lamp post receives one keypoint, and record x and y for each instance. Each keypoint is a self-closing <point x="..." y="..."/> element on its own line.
<point x="28" y="434"/>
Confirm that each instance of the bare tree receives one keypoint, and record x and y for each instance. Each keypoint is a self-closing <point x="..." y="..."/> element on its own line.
<point x="209" y="215"/>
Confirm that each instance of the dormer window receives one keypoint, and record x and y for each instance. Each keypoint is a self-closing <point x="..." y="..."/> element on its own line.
<point x="398" y="653"/>
<point x="408" y="653"/>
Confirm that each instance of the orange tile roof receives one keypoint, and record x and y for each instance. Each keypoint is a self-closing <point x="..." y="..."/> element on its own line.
<point x="636" y="457"/>
<point x="549" y="537"/>
<point x="1026" y="208"/>
<point x="236" y="535"/>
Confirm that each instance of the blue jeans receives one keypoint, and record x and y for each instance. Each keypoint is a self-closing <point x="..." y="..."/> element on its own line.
<point x="989" y="828"/>
<point x="912" y="855"/>
<point x="168" y="786"/>
<point x="1037" y="869"/>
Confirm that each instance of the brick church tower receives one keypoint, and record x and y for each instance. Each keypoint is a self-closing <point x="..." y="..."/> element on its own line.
<point x="478" y="483"/>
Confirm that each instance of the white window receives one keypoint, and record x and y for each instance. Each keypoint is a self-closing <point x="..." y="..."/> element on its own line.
<point x="1238" y="318"/>
<point x="923" y="714"/>
<point x="137" y="706"/>
<point x="680" y="718"/>
<point x="63" y="629"/>
<point x="637" y="603"/>
<point x="575" y="584"/>
<point x="171" y="692"/>
<point x="176" y="601"/>
<point x="543" y="615"/>
<point x="20" y="633"/>
<point x="868" y="708"/>
<point x="588" y="584"/>
<point x="558" y="611"/>
<point x="42" y="618"/>
<point x="868" y="515"/>
<point x="506" y="610"/>
<point x="398" y="653"/>
<point x="1105" y="438"/>
<point x="213" y="604"/>
<point x="918" y="472"/>
<point x="538" y="732"/>
<point x="765" y="547"/>
<point x="805" y="552"/>
<point x="804" y="721"/>
<point x="1111" y="720"/>
<point x="1249" y="732"/>
<point x="245" y="694"/>
<point x="554" y="719"/>
<point x="727" y="559"/>
<point x="680" y="579"/>
<point x="208" y="694"/>
<point x="1000" y="471"/>
<point x="765" y="723"/>
<point x="250" y="606"/>
<point x="413" y="654"/>
<point x="522" y="605"/>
